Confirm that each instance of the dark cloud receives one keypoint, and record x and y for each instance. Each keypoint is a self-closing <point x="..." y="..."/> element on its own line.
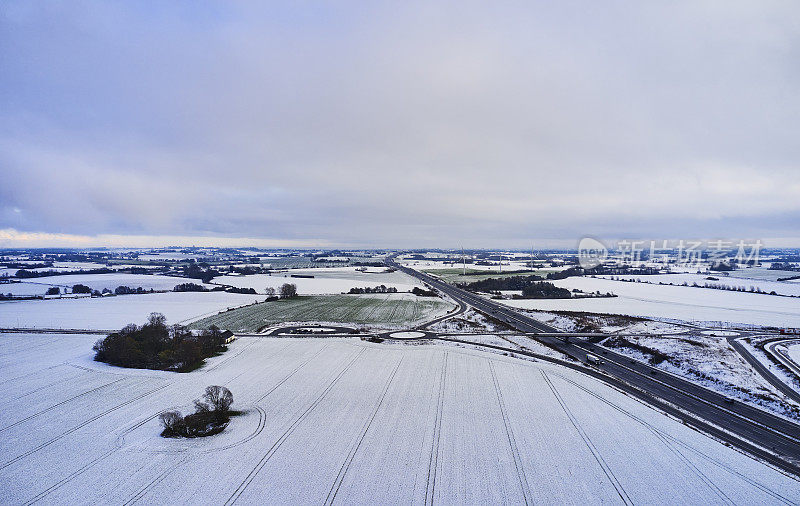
<point x="401" y="124"/>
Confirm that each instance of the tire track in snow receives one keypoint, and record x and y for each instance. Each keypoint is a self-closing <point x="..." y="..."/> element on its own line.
<point x="352" y="453"/>
<point x="677" y="442"/>
<point x="592" y="448"/>
<point x="268" y="357"/>
<point x="261" y="463"/>
<point x="79" y="426"/>
<point x="60" y="404"/>
<point x="143" y="491"/>
<point x="660" y="436"/>
<point x="262" y="422"/>
<point x="433" y="463"/>
<point x="158" y="479"/>
<point x="44" y="387"/>
<point x="523" y="480"/>
<point x="228" y="359"/>
<point x="31" y="373"/>
<point x="285" y="378"/>
<point x="86" y="467"/>
<point x="25" y="347"/>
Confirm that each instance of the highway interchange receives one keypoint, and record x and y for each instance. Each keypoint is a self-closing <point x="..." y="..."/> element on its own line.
<point x="769" y="437"/>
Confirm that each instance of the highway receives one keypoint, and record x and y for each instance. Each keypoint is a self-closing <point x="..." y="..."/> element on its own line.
<point x="769" y="437"/>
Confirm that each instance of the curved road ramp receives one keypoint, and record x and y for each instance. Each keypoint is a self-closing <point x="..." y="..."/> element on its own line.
<point x="335" y="420"/>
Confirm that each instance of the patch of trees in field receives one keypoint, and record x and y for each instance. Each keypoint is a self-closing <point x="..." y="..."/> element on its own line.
<point x="245" y="291"/>
<point x="421" y="292"/>
<point x="79" y="288"/>
<point x="532" y="287"/>
<point x="155" y="345"/>
<point x="127" y="290"/>
<point x="784" y="266"/>
<point x="211" y="415"/>
<point x="189" y="287"/>
<point x="287" y="291"/>
<point x="201" y="271"/>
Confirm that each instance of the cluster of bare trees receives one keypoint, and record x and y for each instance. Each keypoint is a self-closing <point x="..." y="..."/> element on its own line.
<point x="211" y="415"/>
<point x="286" y="291"/>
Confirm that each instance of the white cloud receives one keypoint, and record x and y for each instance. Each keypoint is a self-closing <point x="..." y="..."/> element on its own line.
<point x="402" y="124"/>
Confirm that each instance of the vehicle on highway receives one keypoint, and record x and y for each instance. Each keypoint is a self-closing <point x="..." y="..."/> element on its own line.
<point x="593" y="359"/>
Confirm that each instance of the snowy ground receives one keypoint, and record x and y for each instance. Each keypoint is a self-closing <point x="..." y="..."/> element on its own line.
<point x="794" y="353"/>
<point x="763" y="273"/>
<point x="678" y="302"/>
<point x="104" y="313"/>
<point x="57" y="266"/>
<point x="779" y="287"/>
<point x="38" y="286"/>
<point x="351" y="422"/>
<point x="468" y="321"/>
<point x="326" y="281"/>
<point x="587" y="322"/>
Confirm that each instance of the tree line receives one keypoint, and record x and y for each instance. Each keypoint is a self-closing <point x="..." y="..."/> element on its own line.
<point x="532" y="287"/>
<point x="377" y="289"/>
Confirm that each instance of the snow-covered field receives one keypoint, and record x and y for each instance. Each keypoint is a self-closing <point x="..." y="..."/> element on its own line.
<point x="388" y="311"/>
<point x="779" y="287"/>
<point x="605" y="323"/>
<point x="468" y="321"/>
<point x="346" y="421"/>
<point x="105" y="313"/>
<point x="794" y="353"/>
<point x="326" y="281"/>
<point x="678" y="302"/>
<point x="763" y="273"/>
<point x="57" y="266"/>
<point x="38" y="286"/>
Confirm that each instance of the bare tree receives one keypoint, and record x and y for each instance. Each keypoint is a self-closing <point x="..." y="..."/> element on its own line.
<point x="288" y="290"/>
<point x="157" y="320"/>
<point x="219" y="398"/>
<point x="172" y="421"/>
<point x="270" y="291"/>
<point x="201" y="407"/>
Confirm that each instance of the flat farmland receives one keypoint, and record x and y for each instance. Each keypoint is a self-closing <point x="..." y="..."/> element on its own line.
<point x="344" y="421"/>
<point x="103" y="313"/>
<point x="390" y="310"/>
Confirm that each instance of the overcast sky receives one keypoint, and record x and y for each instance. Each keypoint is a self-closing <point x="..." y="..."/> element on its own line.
<point x="399" y="124"/>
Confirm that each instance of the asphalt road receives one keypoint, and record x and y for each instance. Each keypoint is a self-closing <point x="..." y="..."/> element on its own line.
<point x="762" y="434"/>
<point x="781" y="356"/>
<point x="763" y="370"/>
